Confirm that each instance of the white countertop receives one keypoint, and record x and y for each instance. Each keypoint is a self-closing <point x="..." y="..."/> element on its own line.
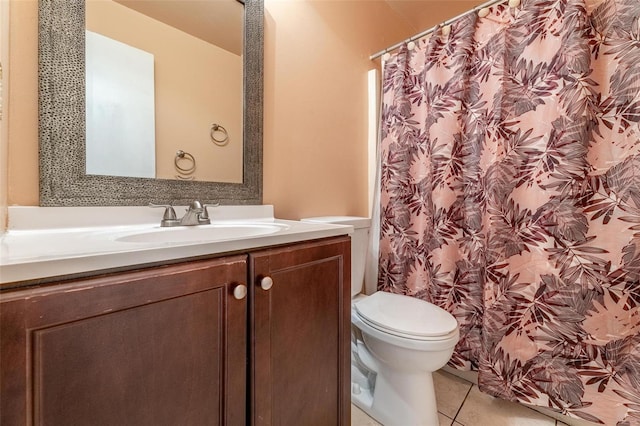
<point x="46" y="242"/>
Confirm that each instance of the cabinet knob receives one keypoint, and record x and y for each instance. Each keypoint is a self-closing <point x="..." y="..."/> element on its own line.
<point x="266" y="283"/>
<point x="240" y="292"/>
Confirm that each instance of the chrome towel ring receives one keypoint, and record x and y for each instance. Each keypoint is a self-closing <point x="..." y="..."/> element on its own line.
<point x="185" y="164"/>
<point x="223" y="137"/>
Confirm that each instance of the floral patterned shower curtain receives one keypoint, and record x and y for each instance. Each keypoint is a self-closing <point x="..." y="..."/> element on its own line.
<point x="510" y="196"/>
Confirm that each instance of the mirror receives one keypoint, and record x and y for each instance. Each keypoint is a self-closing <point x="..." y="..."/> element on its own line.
<point x="161" y="76"/>
<point x="63" y="181"/>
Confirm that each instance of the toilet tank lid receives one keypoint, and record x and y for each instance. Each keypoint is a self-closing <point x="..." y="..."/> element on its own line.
<point x="355" y="221"/>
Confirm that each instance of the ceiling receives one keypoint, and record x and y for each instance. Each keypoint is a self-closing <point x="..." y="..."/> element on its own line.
<point x="424" y="14"/>
<point x="218" y="21"/>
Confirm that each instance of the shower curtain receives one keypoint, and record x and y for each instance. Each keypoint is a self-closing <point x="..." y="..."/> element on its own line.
<point x="510" y="196"/>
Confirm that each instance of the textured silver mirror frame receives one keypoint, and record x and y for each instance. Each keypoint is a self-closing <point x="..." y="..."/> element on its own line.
<point x="61" y="91"/>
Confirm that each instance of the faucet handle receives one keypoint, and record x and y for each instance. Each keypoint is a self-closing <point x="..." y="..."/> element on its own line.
<point x="205" y="213"/>
<point x="169" y="212"/>
<point x="169" y="218"/>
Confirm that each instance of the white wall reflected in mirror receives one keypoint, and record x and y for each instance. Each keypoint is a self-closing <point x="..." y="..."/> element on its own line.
<point x="120" y="119"/>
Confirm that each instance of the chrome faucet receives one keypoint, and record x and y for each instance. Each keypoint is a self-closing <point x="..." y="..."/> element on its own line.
<point x="196" y="214"/>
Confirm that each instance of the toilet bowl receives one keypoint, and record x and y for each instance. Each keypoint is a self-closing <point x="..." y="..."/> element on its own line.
<point x="404" y="355"/>
<point x="397" y="342"/>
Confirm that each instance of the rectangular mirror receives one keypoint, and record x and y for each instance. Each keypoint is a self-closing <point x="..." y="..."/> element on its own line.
<point x="62" y="75"/>
<point x="160" y="74"/>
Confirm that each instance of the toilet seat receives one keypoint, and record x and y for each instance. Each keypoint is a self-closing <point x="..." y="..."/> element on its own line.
<point x="406" y="317"/>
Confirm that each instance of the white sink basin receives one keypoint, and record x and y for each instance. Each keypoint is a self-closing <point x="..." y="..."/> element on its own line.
<point x="203" y="233"/>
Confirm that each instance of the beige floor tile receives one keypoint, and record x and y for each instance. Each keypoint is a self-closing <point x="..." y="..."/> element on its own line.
<point x="450" y="392"/>
<point x="480" y="409"/>
<point x="444" y="420"/>
<point x="360" y="418"/>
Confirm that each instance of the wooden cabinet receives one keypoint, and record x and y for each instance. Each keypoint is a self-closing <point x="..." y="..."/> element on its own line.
<point x="300" y="335"/>
<point x="172" y="345"/>
<point x="163" y="346"/>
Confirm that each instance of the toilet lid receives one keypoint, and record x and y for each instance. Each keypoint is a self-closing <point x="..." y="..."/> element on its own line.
<point x="405" y="315"/>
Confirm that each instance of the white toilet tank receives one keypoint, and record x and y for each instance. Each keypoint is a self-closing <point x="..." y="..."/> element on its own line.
<point x="359" y="245"/>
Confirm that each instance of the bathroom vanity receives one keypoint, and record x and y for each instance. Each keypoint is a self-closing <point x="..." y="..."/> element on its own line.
<point x="226" y="332"/>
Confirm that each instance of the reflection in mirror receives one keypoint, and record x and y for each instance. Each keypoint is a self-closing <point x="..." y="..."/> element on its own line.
<point x="62" y="114"/>
<point x="120" y="109"/>
<point x="160" y="74"/>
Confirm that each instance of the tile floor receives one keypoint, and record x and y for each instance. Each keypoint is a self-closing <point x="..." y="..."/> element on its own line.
<point x="460" y="403"/>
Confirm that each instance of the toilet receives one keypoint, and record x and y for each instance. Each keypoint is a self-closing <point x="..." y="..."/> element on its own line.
<point x="397" y="341"/>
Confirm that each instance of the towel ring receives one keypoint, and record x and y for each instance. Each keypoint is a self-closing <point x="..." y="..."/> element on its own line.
<point x="219" y="141"/>
<point x="190" y="165"/>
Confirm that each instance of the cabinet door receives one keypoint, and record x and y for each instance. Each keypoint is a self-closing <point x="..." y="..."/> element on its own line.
<point x="300" y="328"/>
<point x="163" y="346"/>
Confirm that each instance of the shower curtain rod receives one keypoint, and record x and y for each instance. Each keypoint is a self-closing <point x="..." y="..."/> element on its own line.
<point x="432" y="29"/>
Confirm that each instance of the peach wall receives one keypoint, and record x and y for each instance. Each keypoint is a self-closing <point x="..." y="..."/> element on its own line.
<point x="315" y="109"/>
<point x="22" y="184"/>
<point x="196" y="84"/>
<point x="4" y="94"/>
